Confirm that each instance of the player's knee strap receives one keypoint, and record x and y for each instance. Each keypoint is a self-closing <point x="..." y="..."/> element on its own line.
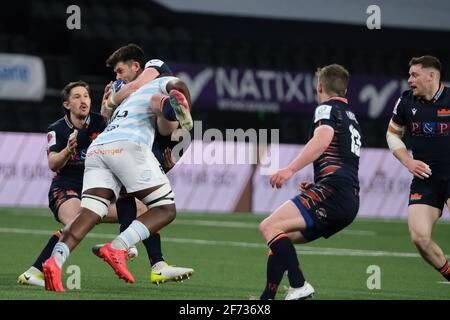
<point x="96" y="204"/>
<point x="161" y="196"/>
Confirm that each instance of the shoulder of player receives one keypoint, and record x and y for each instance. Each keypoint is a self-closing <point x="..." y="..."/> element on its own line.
<point x="407" y="95"/>
<point x="58" y="124"/>
<point x="405" y="98"/>
<point x="159" y="65"/>
<point x="323" y="111"/>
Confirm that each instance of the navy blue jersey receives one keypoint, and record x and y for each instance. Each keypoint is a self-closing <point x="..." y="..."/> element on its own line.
<point x="71" y="175"/>
<point x="427" y="128"/>
<point x="340" y="161"/>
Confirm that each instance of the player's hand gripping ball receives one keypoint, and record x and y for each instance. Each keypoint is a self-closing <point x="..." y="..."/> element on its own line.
<point x="117" y="85"/>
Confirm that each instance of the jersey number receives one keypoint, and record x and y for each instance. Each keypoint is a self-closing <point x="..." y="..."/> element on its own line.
<point x="356" y="140"/>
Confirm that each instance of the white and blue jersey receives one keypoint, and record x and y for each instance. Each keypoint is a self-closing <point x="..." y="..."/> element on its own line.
<point x="133" y="119"/>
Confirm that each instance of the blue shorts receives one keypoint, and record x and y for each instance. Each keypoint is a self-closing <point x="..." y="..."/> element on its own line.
<point x="327" y="209"/>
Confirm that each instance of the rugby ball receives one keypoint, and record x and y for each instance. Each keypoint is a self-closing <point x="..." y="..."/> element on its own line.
<point x="117" y="85"/>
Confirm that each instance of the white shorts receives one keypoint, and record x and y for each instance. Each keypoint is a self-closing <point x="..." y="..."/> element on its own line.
<point x="122" y="163"/>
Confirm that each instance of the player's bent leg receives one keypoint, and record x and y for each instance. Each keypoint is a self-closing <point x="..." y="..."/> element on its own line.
<point x="445" y="268"/>
<point x="286" y="218"/>
<point x="65" y="213"/>
<point x="162" y="272"/>
<point x="112" y="217"/>
<point x="282" y="256"/>
<point x="94" y="206"/>
<point x="159" y="200"/>
<point x="182" y="109"/>
<point x="141" y="208"/>
<point x="161" y="207"/>
<point x="69" y="210"/>
<point x="421" y="219"/>
<point x="297" y="237"/>
<point x="166" y="117"/>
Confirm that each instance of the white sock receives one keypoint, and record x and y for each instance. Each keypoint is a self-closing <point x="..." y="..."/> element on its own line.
<point x="137" y="231"/>
<point x="61" y="253"/>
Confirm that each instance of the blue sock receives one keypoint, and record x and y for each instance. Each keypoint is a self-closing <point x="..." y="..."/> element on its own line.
<point x="168" y="111"/>
<point x="153" y="246"/>
<point x="126" y="211"/>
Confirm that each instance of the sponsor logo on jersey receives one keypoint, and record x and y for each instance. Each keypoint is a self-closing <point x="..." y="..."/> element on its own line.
<point x="443" y="112"/>
<point x="415" y="196"/>
<point x="430" y="128"/>
<point x="414" y="110"/>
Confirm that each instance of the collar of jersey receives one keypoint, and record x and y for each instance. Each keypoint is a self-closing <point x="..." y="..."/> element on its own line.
<point x="436" y="95"/>
<point x="70" y="124"/>
<point x="339" y="98"/>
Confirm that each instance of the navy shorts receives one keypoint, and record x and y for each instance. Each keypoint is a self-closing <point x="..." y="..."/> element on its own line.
<point x="58" y="194"/>
<point x="327" y="209"/>
<point x="432" y="191"/>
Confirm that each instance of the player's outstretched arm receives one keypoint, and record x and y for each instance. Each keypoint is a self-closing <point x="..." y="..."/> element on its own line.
<point x="323" y="135"/>
<point x="394" y="137"/>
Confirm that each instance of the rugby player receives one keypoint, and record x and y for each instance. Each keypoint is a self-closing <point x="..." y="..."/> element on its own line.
<point x="330" y="203"/>
<point x="128" y="63"/>
<point x="68" y="140"/>
<point x="422" y="114"/>
<point x="121" y="156"/>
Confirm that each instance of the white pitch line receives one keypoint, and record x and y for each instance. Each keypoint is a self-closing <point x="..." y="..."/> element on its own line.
<point x="308" y="250"/>
<point x="222" y="224"/>
<point x="443" y="282"/>
<point x="252" y="225"/>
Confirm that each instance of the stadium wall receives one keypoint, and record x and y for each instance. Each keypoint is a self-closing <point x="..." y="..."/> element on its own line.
<point x="211" y="177"/>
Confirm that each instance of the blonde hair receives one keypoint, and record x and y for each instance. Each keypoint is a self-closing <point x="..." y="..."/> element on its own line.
<point x="334" y="79"/>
